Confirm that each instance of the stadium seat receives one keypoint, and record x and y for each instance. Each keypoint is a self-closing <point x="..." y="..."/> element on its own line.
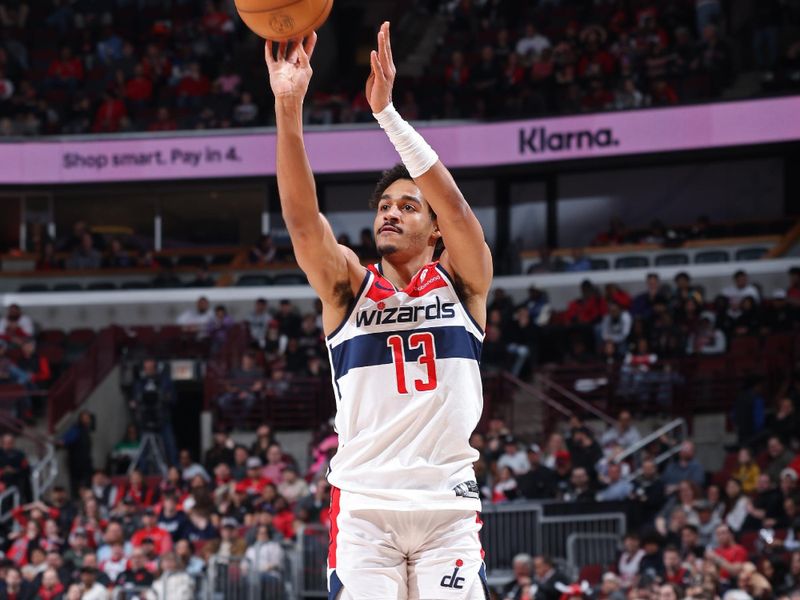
<point x="80" y="337"/>
<point x="748" y="540"/>
<point x="101" y="286"/>
<point x="222" y="260"/>
<point x="671" y="260"/>
<point x="591" y="573"/>
<point x="751" y="253"/>
<point x="30" y="288"/>
<point x="253" y="281"/>
<point x="68" y="287"/>
<point x="198" y="262"/>
<point x="600" y="264"/>
<point x="746" y="345"/>
<point x="710" y="257"/>
<point x="631" y="262"/>
<point x="290" y="279"/>
<point x="51" y="336"/>
<point x="135" y="285"/>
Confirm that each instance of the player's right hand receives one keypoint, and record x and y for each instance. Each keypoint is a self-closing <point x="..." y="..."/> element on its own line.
<point x="290" y="72"/>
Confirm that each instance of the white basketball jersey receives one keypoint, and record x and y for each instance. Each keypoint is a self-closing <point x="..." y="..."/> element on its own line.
<point x="407" y="382"/>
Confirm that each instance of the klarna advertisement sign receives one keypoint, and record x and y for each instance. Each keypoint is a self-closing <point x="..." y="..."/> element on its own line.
<point x="649" y="131"/>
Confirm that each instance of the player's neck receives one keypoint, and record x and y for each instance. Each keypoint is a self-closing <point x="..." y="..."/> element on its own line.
<point x="400" y="273"/>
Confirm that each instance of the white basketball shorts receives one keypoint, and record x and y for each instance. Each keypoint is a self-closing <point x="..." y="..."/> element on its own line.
<point x="404" y="555"/>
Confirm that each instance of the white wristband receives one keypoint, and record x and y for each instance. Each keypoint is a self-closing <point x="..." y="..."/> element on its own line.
<point x="414" y="151"/>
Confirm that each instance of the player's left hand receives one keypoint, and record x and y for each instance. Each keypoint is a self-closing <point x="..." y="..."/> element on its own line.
<point x="382" y="74"/>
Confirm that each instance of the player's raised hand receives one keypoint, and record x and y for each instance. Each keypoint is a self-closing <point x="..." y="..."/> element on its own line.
<point x="383" y="71"/>
<point x="290" y="71"/>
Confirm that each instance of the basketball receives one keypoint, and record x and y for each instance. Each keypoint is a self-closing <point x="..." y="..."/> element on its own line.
<point x="282" y="20"/>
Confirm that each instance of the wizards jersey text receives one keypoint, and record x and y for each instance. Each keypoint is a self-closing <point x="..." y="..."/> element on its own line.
<point x="407" y="380"/>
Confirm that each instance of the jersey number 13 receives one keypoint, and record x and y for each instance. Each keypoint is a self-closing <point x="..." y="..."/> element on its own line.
<point x="427" y="359"/>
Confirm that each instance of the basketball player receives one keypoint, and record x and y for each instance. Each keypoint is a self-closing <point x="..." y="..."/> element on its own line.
<point x="404" y="338"/>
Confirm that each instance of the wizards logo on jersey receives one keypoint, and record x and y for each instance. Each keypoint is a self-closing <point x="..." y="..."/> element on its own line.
<point x="390" y="315"/>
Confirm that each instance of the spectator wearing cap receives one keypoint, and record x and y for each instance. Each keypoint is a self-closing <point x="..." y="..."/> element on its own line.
<point x="292" y="487"/>
<point x="738" y="291"/>
<point x="513" y="457"/>
<point x="161" y="539"/>
<point x="173" y="583"/>
<point x="623" y="433"/>
<point x="684" y="468"/>
<point x="93" y="589"/>
<point x="539" y="482"/>
<point x="706" y="338"/>
<point x="254" y="482"/>
<point x="231" y="543"/>
<point x="781" y="316"/>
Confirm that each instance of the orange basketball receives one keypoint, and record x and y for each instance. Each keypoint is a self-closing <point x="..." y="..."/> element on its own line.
<point x="283" y="20"/>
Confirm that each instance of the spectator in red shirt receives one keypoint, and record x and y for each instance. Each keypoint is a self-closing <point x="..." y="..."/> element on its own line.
<point x="163" y="122"/>
<point x="162" y="540"/>
<point x="139" y="89"/>
<point x="215" y="21"/>
<point x="193" y="86"/>
<point x="663" y="94"/>
<point x="254" y="482"/>
<point x="587" y="309"/>
<point x="109" y="115"/>
<point x="728" y="555"/>
<point x="66" y="71"/>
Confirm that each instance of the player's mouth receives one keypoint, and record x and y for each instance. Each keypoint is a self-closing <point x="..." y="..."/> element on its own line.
<point x="389" y="229"/>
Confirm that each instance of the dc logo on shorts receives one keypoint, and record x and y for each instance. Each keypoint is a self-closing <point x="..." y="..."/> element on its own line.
<point x="453" y="581"/>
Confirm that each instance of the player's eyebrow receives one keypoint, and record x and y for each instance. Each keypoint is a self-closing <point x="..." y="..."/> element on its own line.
<point x="407" y="197"/>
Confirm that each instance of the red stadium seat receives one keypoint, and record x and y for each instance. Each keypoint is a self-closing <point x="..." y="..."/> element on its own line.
<point x="52" y="336"/>
<point x="748" y="540"/>
<point x="591" y="573"/>
<point x="745" y="346"/>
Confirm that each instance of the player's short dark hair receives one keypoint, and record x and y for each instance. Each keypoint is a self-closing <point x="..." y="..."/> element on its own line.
<point x="388" y="177"/>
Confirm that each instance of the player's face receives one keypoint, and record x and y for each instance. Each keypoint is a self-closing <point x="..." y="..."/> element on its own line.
<point x="403" y="223"/>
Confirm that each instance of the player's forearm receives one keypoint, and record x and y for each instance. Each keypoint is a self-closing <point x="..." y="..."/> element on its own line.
<point x="298" y="192"/>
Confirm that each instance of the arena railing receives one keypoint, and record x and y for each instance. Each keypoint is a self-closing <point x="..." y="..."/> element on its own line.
<point x="591" y="549"/>
<point x="673" y="434"/>
<point x="236" y="577"/>
<point x="9" y="500"/>
<point x="311" y="576"/>
<point x="44" y="473"/>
